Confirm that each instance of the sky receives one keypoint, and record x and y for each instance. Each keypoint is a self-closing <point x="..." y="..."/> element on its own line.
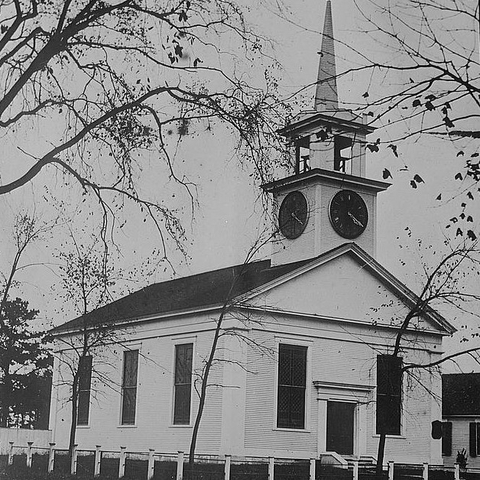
<point x="228" y="215"/>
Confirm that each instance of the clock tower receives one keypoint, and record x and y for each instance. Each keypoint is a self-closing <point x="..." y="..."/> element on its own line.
<point x="328" y="200"/>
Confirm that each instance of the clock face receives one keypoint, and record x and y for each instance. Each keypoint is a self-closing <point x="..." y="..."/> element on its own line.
<point x="348" y="214"/>
<point x="293" y="215"/>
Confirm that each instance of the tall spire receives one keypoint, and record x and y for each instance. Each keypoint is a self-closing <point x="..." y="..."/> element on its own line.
<point x="326" y="97"/>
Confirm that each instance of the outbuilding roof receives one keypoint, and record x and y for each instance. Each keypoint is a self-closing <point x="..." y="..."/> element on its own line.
<point x="461" y="394"/>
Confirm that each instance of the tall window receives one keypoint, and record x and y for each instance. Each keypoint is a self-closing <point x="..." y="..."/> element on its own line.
<point x="447" y="438"/>
<point x="389" y="394"/>
<point x="474" y="439"/>
<point x="129" y="386"/>
<point x="84" y="386"/>
<point x="183" y="384"/>
<point x="292" y="378"/>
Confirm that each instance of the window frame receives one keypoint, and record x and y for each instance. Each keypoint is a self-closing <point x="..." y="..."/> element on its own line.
<point x="296" y="344"/>
<point x="400" y="395"/>
<point x="84" y="389"/>
<point x="133" y="387"/>
<point x="474" y="439"/>
<point x="176" y="346"/>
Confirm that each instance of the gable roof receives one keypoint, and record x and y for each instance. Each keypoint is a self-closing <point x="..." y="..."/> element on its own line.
<point x="460" y="394"/>
<point x="195" y="291"/>
<point x="212" y="289"/>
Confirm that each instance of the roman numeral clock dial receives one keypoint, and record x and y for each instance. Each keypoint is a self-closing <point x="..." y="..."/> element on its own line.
<point x="348" y="214"/>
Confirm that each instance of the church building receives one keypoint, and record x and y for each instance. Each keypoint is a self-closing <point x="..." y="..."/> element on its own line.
<point x="303" y="365"/>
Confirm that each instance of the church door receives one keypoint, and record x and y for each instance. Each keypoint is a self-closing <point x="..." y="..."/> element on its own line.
<point x="340" y="427"/>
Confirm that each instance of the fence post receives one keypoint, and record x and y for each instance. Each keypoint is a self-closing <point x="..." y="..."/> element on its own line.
<point x="98" y="461"/>
<point x="313" y="463"/>
<point x="29" y="454"/>
<point x="425" y="471"/>
<point x="391" y="467"/>
<point x="10" y="454"/>
<point x="355" y="470"/>
<point x="121" y="463"/>
<point x="457" y="471"/>
<point x="228" y="460"/>
<point x="271" y="468"/>
<point x="151" y="463"/>
<point x="180" y="465"/>
<point x="51" y="457"/>
<point x="73" y="465"/>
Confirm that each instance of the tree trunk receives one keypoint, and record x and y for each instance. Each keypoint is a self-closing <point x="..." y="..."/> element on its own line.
<point x="73" y="426"/>
<point x="380" y="455"/>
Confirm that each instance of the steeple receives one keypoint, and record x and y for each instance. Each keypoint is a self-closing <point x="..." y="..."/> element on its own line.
<point x="326" y="97"/>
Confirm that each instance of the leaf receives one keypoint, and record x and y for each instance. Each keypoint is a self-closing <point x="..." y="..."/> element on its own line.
<point x="431" y="97"/>
<point x="413" y="184"/>
<point x="394" y="149"/>
<point x="418" y="178"/>
<point x="475" y="154"/>
<point x="429" y="106"/>
<point x="448" y="122"/>
<point x="179" y="50"/>
<point x="447" y="105"/>
<point x="439" y="197"/>
<point x="470" y="219"/>
<point x="372" y="147"/>
<point x="461" y="152"/>
<point x="196" y="62"/>
<point x="416" y="103"/>
<point x="459" y="232"/>
<point x="458" y="176"/>
<point x="386" y="174"/>
<point x="470" y="195"/>
<point x="454" y="220"/>
<point x="471" y="235"/>
<point x="365" y="95"/>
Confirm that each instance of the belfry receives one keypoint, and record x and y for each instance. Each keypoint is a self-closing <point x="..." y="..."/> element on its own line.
<point x="329" y="199"/>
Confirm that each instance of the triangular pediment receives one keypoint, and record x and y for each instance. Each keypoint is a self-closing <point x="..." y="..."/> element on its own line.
<point x="346" y="284"/>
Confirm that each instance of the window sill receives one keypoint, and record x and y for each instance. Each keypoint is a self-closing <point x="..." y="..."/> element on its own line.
<point x="126" y="426"/>
<point x="401" y="436"/>
<point x="83" y="427"/>
<point x="284" y="429"/>
<point x="173" y="425"/>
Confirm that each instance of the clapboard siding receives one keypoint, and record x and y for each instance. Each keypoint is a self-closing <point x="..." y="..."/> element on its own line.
<point x="153" y="428"/>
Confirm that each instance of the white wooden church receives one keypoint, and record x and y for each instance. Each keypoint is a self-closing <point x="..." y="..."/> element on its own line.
<point x="301" y="367"/>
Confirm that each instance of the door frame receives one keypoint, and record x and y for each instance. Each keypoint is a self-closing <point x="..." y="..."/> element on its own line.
<point x="347" y="393"/>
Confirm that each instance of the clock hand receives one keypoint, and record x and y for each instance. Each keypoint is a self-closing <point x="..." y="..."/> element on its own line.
<point x="355" y="221"/>
<point x="296" y="218"/>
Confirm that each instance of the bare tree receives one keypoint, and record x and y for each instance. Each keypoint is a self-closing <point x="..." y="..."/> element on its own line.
<point x="425" y="85"/>
<point x="444" y="286"/>
<point x="230" y="304"/>
<point x="87" y="278"/>
<point x="114" y="84"/>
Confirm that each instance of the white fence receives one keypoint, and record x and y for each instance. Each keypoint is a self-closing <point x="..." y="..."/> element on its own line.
<point x="21" y="436"/>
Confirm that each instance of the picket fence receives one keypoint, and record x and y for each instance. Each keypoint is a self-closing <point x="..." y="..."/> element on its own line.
<point x="223" y="464"/>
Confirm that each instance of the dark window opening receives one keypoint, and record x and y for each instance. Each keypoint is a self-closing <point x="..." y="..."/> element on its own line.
<point x="183" y="384"/>
<point x="447" y="439"/>
<point x="84" y="387"/>
<point x="389" y="394"/>
<point x="302" y="155"/>
<point x="342" y="154"/>
<point x="129" y="386"/>
<point x="292" y="378"/>
<point x="474" y="439"/>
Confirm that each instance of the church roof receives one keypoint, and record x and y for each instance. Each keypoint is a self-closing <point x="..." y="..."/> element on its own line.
<point x="213" y="288"/>
<point x="195" y="291"/>
<point x="460" y="394"/>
